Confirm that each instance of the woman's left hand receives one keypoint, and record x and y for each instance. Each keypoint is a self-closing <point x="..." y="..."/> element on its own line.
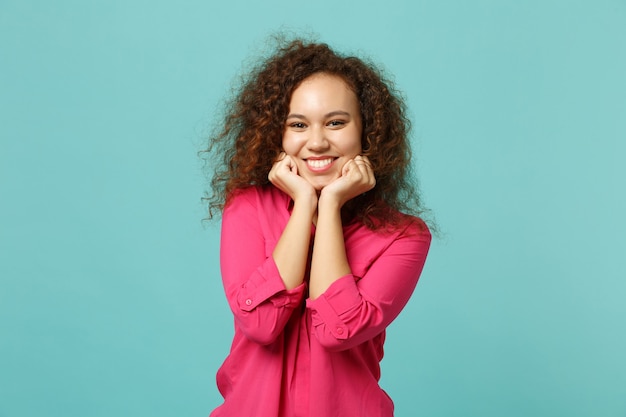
<point x="357" y="177"/>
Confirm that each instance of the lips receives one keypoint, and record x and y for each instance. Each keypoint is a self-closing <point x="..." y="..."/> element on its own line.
<point x="317" y="164"/>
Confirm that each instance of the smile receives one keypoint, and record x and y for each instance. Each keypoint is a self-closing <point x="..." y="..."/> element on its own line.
<point x="319" y="163"/>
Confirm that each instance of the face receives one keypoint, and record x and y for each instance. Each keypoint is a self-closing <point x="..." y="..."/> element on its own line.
<point x="323" y="128"/>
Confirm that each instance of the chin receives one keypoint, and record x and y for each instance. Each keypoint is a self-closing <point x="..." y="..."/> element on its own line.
<point x="318" y="186"/>
<point x="319" y="183"/>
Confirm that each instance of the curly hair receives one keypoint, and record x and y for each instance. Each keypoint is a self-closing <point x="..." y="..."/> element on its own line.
<point x="250" y="138"/>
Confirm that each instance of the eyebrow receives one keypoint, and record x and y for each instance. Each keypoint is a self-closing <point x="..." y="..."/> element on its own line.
<point x="327" y="115"/>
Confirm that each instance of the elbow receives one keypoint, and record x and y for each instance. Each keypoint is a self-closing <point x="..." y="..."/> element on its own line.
<point x="344" y="336"/>
<point x="258" y="333"/>
<point x="335" y="341"/>
<point x="261" y="338"/>
<point x="334" y="345"/>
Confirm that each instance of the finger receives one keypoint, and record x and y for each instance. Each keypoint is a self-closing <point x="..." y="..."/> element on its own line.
<point x="287" y="162"/>
<point x="278" y="167"/>
<point x="366" y="169"/>
<point x="363" y="160"/>
<point x="292" y="165"/>
<point x="347" y="167"/>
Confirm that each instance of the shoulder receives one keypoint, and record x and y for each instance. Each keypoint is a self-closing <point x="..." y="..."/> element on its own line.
<point x="416" y="227"/>
<point x="406" y="241"/>
<point x="396" y="224"/>
<point x="405" y="228"/>
<point x="407" y="231"/>
<point x="266" y="205"/>
<point x="258" y="196"/>
<point x="257" y="209"/>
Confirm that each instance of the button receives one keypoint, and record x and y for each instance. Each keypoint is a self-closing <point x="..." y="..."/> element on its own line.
<point x="248" y="302"/>
<point x="339" y="330"/>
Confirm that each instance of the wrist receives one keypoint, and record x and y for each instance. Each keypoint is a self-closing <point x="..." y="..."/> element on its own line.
<point x="329" y="202"/>
<point x="306" y="204"/>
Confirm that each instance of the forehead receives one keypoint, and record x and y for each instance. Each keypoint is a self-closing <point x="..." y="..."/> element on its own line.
<point x="322" y="78"/>
<point x="324" y="89"/>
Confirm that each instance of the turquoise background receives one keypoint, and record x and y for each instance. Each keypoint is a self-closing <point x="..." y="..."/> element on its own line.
<point x="110" y="296"/>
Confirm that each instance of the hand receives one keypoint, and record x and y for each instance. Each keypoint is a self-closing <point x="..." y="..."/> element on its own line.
<point x="357" y="177"/>
<point x="284" y="176"/>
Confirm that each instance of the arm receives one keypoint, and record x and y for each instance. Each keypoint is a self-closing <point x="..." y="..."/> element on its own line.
<point x="258" y="297"/>
<point x="351" y="312"/>
<point x="292" y="250"/>
<point x="329" y="261"/>
<point x="264" y="290"/>
<point x="346" y="313"/>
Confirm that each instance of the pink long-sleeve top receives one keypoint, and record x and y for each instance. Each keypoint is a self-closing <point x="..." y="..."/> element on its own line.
<point x="296" y="357"/>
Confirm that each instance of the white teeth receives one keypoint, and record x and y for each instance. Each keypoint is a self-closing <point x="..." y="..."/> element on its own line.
<point x="319" y="163"/>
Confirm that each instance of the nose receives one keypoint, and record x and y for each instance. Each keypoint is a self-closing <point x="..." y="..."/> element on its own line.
<point x="317" y="140"/>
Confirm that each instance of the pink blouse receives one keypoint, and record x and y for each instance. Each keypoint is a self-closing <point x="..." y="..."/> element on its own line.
<point x="296" y="357"/>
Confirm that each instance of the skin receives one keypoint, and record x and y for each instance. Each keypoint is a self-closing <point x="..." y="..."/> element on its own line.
<point x="320" y="169"/>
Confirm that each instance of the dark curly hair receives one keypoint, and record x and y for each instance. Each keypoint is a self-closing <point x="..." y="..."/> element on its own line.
<point x="245" y="146"/>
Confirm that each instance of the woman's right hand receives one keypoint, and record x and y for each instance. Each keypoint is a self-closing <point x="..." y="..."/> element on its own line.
<point x="284" y="176"/>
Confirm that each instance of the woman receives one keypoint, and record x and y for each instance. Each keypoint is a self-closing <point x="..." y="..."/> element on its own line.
<point x="317" y="253"/>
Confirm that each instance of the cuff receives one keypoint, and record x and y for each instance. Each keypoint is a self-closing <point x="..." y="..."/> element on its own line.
<point x="342" y="296"/>
<point x="266" y="284"/>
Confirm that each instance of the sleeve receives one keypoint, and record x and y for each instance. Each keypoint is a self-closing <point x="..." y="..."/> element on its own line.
<point x="254" y="289"/>
<point x="351" y="312"/>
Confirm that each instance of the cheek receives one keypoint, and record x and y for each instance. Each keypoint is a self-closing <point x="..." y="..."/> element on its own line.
<point x="290" y="144"/>
<point x="287" y="144"/>
<point x="355" y="144"/>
